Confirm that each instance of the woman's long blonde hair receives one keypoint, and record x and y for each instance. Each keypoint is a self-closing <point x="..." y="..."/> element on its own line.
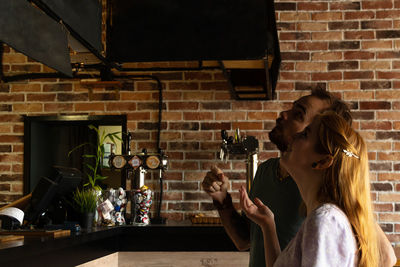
<point x="346" y="183"/>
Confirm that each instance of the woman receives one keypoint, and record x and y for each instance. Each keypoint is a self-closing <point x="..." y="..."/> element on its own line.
<point x="329" y="164"/>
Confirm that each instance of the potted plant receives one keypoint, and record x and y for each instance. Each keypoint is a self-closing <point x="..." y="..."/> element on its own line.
<point x="85" y="202"/>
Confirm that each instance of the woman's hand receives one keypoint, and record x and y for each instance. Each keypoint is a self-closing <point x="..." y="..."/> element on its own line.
<point x="257" y="211"/>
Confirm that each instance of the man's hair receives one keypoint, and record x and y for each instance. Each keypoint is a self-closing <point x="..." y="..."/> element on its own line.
<point x="335" y="104"/>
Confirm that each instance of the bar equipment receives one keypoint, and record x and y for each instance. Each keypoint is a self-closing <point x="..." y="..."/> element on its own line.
<point x="237" y="145"/>
<point x="137" y="166"/>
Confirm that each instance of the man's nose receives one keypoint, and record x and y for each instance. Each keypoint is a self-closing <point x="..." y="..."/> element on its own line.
<point x="284" y="114"/>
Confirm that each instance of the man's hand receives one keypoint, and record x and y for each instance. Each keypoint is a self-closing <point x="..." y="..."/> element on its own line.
<point x="215" y="183"/>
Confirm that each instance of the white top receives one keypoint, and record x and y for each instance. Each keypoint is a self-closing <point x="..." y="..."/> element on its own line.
<point x="325" y="239"/>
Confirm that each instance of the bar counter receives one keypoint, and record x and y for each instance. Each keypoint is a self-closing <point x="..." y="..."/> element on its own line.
<point x="86" y="246"/>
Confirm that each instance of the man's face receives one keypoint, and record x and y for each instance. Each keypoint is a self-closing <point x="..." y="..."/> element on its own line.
<point x="294" y="120"/>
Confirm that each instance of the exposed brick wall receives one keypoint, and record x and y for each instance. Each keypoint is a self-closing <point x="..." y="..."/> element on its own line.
<point x="350" y="48"/>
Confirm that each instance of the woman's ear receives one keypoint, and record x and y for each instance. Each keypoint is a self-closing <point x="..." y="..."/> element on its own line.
<point x="323" y="163"/>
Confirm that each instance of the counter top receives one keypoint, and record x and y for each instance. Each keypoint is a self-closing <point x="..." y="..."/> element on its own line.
<point x="100" y="241"/>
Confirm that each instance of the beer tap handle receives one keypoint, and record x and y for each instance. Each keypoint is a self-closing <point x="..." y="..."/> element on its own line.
<point x="224" y="135"/>
<point x="129" y="143"/>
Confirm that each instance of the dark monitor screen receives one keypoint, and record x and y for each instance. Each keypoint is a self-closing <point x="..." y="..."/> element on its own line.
<point x="64" y="181"/>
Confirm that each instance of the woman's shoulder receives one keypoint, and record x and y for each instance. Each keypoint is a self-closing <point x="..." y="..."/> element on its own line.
<point x="329" y="216"/>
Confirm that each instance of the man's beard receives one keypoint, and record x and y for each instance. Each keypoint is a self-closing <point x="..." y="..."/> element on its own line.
<point x="276" y="137"/>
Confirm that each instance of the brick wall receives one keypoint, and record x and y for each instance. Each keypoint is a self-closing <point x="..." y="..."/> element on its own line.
<point x="350" y="48"/>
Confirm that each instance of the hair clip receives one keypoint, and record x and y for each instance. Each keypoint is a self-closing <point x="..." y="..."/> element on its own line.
<point x="350" y="154"/>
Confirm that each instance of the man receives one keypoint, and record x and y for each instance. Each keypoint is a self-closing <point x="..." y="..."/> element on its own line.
<point x="274" y="187"/>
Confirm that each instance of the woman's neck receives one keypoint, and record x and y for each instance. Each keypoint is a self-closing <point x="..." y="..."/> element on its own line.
<point x="308" y="186"/>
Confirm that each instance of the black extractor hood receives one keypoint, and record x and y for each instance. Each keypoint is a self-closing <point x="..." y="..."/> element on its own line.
<point x="241" y="35"/>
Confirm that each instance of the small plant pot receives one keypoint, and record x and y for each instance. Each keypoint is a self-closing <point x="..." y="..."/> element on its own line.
<point x="87" y="220"/>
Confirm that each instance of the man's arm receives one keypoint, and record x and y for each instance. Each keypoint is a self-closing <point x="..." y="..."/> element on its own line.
<point x="386" y="251"/>
<point x="236" y="226"/>
<point x="215" y="184"/>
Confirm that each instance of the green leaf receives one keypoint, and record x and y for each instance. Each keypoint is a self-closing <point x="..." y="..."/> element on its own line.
<point x="89" y="156"/>
<point x="77" y="147"/>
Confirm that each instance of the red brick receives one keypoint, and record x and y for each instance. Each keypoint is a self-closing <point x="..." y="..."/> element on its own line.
<point x="311" y="66"/>
<point x="318" y="6"/>
<point x="294" y="16"/>
<point x="29" y="87"/>
<point x="375" y="65"/>
<point x="11" y="139"/>
<point x="312" y="46"/>
<point x="286" y="26"/>
<point x="330" y="36"/>
<point x="388" y="75"/>
<point x="89" y="106"/>
<point x="183" y="105"/>
<point x="377" y="4"/>
<point x="210" y="146"/>
<point x="262" y="115"/>
<point x="197" y="75"/>
<point x="376" y="24"/>
<point x="172" y="195"/>
<point x="297" y="76"/>
<point x="335" y="86"/>
<point x="343" y="25"/>
<point x="377" y="145"/>
<point x="375" y="105"/>
<point x="170" y="76"/>
<point x="12" y="98"/>
<point x="376" y="125"/>
<point x="284" y="36"/>
<point x="387" y="54"/>
<point x="28" y="107"/>
<point x="327" y="16"/>
<point x="58" y="107"/>
<point x="352" y="75"/>
<point x="223" y="95"/>
<point x="247" y="125"/>
<point x="214" y="86"/>
<point x="230" y="116"/>
<point x="198" y="96"/>
<point x="312" y="26"/>
<point x="326" y="56"/>
<point x="358" y="55"/>
<point x="388" y="34"/>
<point x="215" y="125"/>
<point x="326" y="76"/>
<point x="295" y="55"/>
<point x="389" y="176"/>
<point x="247" y="105"/>
<point x="381" y="44"/>
<point x="41" y="97"/>
<point x="183" y="86"/>
<point x="284" y="86"/>
<point x="287" y="66"/>
<point x="287" y="46"/>
<point x="188" y="116"/>
<point x="394" y="156"/>
<point x="146" y="86"/>
<point x="359" y="35"/>
<point x="204" y="136"/>
<point x="383" y="207"/>
<point x="345" y="6"/>
<point x="14" y="58"/>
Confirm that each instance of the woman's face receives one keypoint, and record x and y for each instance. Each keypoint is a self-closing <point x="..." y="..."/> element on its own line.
<point x="301" y="153"/>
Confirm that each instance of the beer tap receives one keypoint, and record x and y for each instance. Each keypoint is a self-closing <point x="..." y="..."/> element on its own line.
<point x="238" y="145"/>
